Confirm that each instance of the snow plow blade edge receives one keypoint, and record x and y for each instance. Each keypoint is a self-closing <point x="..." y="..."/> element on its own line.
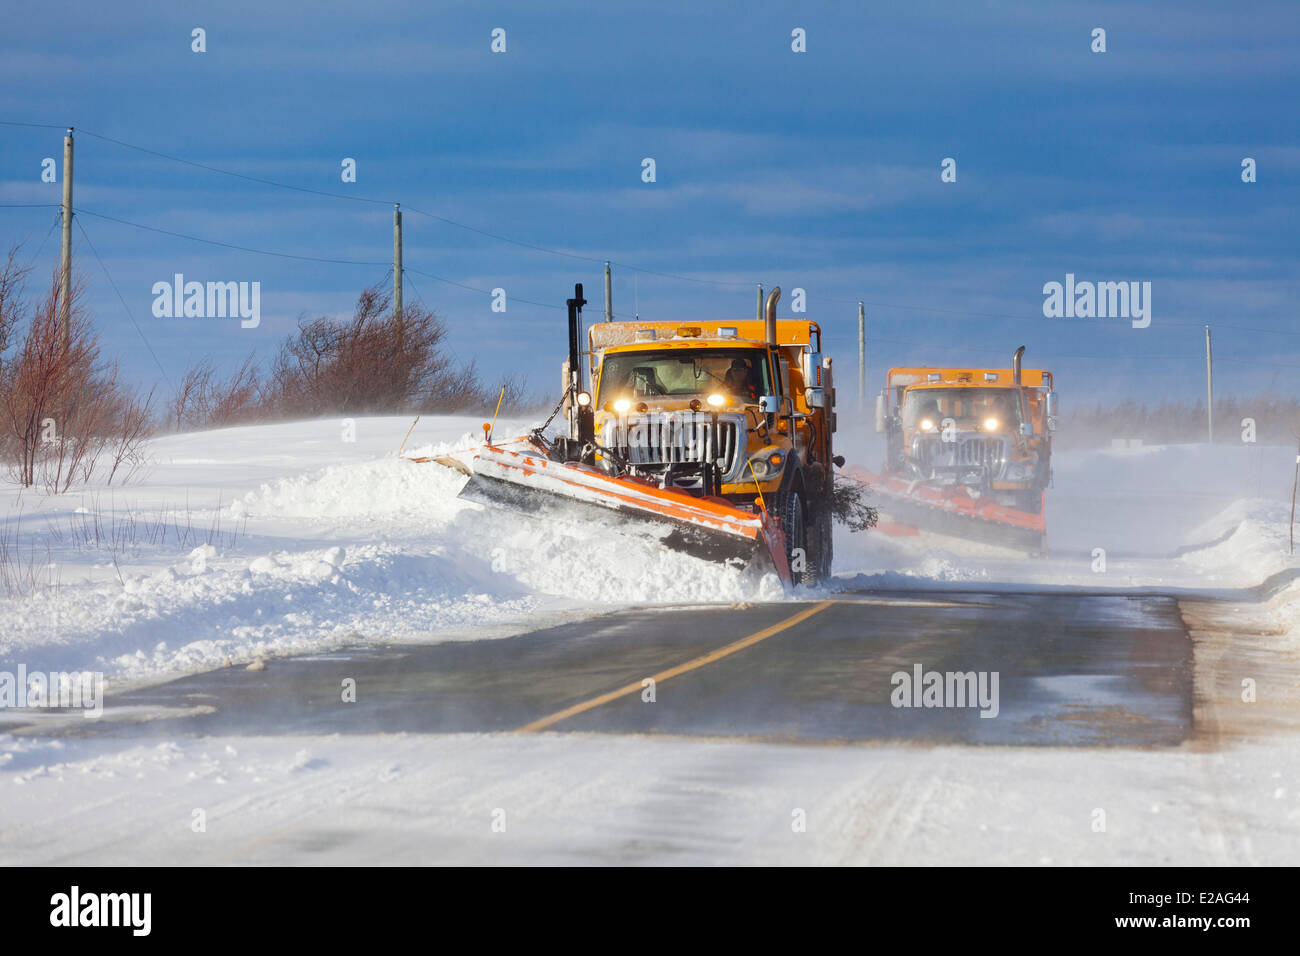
<point x="523" y="478"/>
<point x="954" y="513"/>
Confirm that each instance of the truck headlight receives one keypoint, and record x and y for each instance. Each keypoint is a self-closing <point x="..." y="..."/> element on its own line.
<point x="991" y="424"/>
<point x="927" y="425"/>
<point x="622" y="406"/>
<point x="767" y="465"/>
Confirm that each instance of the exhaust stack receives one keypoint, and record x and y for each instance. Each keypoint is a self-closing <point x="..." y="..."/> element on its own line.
<point x="769" y="315"/>
<point x="1015" y="364"/>
<point x="581" y="419"/>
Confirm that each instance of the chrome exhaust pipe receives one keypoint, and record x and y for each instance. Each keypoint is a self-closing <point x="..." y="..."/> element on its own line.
<point x="769" y="314"/>
<point x="1015" y="364"/>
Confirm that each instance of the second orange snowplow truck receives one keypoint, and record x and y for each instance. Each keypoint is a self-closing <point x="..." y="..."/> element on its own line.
<point x="971" y="442"/>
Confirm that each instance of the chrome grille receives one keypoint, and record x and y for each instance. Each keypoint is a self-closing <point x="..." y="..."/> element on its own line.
<point x="967" y="451"/>
<point x="667" y="438"/>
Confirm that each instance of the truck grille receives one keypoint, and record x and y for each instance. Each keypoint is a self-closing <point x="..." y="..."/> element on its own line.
<point x="968" y="451"/>
<point x="663" y="439"/>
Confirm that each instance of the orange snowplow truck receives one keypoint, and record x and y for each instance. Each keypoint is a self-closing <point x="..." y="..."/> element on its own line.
<point x="985" y="432"/>
<point x="737" y="412"/>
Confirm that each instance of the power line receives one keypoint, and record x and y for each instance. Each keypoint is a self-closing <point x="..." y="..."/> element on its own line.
<point x="501" y="238"/>
<point x="33" y="125"/>
<point x="487" y="292"/>
<point x="129" y="314"/>
<point x="227" y="172"/>
<point x="58" y="217"/>
<point x="460" y="361"/>
<point x="229" y="245"/>
<point x="286" y="255"/>
<point x="535" y="247"/>
<point x="1224" y="325"/>
<point x="1196" y="356"/>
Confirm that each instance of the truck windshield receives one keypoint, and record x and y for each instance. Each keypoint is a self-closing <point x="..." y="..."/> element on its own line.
<point x="966" y="406"/>
<point x="739" y="372"/>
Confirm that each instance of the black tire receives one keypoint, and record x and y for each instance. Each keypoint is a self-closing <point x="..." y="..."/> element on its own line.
<point x="824" y="525"/>
<point x="789" y="508"/>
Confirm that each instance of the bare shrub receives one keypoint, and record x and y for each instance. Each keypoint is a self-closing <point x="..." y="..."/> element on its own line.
<point x="23" y="570"/>
<point x="61" y="407"/>
<point x="377" y="361"/>
<point x="203" y="400"/>
<point x="463" y="389"/>
<point x="849" y="506"/>
<point x="12" y="277"/>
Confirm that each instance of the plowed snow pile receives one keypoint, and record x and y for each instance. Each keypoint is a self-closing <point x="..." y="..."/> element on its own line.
<point x="277" y="539"/>
<point x="248" y="542"/>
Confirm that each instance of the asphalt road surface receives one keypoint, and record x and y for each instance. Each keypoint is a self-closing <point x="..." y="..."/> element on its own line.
<point x="1071" y="669"/>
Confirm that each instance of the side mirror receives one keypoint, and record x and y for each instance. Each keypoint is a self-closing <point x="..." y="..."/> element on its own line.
<point x="769" y="404"/>
<point x="815" y="397"/>
<point x="881" y="416"/>
<point x="812" y="370"/>
<point x="1051" y="405"/>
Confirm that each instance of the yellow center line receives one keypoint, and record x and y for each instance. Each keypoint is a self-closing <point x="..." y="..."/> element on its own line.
<point x="709" y="658"/>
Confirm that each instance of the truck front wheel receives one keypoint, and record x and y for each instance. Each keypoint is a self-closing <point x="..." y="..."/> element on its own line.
<point x="789" y="508"/>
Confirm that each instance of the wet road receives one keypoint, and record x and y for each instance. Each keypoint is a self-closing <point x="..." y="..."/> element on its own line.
<point x="1047" y="669"/>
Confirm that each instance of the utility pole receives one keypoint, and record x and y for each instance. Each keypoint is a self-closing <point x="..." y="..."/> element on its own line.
<point x="1209" y="386"/>
<point x="609" y="294"/>
<point x="397" y="259"/>
<point x="1294" y="483"/>
<point x="65" y="258"/>
<point x="760" y="302"/>
<point x="862" y="355"/>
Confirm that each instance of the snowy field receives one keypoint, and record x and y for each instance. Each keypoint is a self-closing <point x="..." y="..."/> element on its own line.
<point x="249" y="543"/>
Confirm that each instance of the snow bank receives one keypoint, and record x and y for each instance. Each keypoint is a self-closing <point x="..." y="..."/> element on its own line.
<point x="282" y="539"/>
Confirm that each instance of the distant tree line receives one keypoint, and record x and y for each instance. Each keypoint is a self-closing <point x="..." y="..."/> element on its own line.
<point x="1272" y="419"/>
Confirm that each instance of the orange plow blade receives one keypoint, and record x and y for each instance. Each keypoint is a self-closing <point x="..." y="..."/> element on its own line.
<point x="520" y="475"/>
<point x="951" y="511"/>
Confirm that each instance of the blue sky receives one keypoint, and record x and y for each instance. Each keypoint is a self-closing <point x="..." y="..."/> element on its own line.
<point x="818" y="170"/>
